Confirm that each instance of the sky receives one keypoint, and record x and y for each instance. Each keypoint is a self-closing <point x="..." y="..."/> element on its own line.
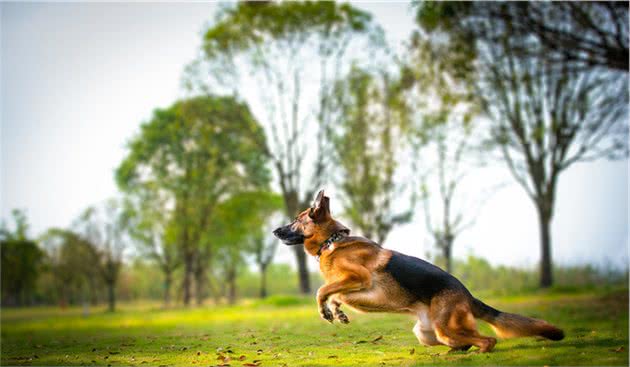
<point x="77" y="80"/>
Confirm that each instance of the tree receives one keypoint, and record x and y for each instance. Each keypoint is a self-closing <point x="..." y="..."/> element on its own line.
<point x="543" y="122"/>
<point x="263" y="247"/>
<point x="237" y="228"/>
<point x="106" y="229"/>
<point x="443" y="131"/>
<point x="152" y="228"/>
<point x="75" y="266"/>
<point x="21" y="261"/>
<point x="581" y="35"/>
<point x="196" y="153"/>
<point x="552" y="76"/>
<point x="371" y="118"/>
<point x="295" y="50"/>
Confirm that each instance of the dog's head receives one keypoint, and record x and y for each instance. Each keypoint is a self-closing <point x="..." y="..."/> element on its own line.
<point x="314" y="224"/>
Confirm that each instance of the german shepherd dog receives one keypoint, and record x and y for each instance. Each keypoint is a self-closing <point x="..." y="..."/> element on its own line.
<point x="369" y="278"/>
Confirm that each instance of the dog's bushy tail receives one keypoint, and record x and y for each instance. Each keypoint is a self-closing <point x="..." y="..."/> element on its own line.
<point x="509" y="325"/>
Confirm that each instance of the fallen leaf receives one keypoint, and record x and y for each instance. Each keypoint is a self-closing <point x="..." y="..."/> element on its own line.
<point x="198" y="353"/>
<point x="412" y="351"/>
<point x="242" y="358"/>
<point x="251" y="364"/>
<point x="620" y="349"/>
<point x="333" y="357"/>
<point x="360" y="342"/>
<point x="377" y="338"/>
<point x="259" y="351"/>
<point x="112" y="352"/>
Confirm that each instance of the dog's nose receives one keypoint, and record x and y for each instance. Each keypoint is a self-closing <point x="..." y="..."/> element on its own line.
<point x="277" y="231"/>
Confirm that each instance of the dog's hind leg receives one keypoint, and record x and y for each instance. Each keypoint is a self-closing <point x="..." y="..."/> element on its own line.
<point x="456" y="327"/>
<point x="424" y="330"/>
<point x="425" y="336"/>
<point x="339" y="315"/>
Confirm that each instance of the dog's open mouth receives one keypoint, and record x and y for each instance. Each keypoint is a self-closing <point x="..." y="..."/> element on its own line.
<point x="289" y="237"/>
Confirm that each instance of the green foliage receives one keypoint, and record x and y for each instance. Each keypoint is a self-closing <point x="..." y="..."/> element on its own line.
<point x="248" y="25"/>
<point x="283" y="301"/>
<point x="192" y="155"/>
<point x="21" y="261"/>
<point x="371" y="118"/>
<point x="72" y="269"/>
<point x="482" y="278"/>
<point x="236" y="219"/>
<point x="20" y="232"/>
<point x="200" y="138"/>
<point x="280" y="281"/>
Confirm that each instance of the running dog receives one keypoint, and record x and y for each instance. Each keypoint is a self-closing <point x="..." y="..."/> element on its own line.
<point x="369" y="278"/>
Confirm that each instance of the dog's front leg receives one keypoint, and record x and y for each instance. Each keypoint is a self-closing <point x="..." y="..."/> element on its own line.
<point x="339" y="315"/>
<point x="349" y="284"/>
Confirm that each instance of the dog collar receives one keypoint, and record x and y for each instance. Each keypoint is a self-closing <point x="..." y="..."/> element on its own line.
<point x="332" y="239"/>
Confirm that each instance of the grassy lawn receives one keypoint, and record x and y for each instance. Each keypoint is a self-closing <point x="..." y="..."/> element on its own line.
<point x="275" y="334"/>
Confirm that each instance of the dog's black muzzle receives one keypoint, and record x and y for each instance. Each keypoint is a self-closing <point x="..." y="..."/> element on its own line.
<point x="289" y="236"/>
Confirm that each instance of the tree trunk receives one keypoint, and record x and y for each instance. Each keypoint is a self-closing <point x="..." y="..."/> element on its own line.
<point x="111" y="296"/>
<point x="199" y="283"/>
<point x="232" y="286"/>
<point x="188" y="270"/>
<point x="546" y="278"/>
<point x="305" y="284"/>
<point x="446" y="252"/>
<point x="168" y="280"/>
<point x="291" y="204"/>
<point x="263" y="282"/>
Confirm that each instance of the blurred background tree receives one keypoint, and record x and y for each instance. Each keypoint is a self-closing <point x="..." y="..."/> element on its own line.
<point x="105" y="229"/>
<point x="236" y="230"/>
<point x="551" y="78"/>
<point x="445" y="130"/>
<point x="371" y="120"/>
<point x="196" y="153"/>
<point x="296" y="50"/>
<point x="152" y="228"/>
<point x="21" y="262"/>
<point x="74" y="266"/>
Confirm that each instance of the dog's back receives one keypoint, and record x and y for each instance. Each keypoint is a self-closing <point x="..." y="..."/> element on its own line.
<point x="420" y="278"/>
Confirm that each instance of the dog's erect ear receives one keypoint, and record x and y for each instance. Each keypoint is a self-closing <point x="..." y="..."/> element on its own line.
<point x="320" y="207"/>
<point x="318" y="199"/>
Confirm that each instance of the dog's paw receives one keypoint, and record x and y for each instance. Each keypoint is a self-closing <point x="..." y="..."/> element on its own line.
<point x="342" y="317"/>
<point x="326" y="314"/>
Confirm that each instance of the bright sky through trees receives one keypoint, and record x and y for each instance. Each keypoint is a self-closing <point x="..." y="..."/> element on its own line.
<point x="78" y="79"/>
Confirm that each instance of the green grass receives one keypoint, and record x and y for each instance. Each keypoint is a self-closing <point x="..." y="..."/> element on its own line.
<point x="289" y="332"/>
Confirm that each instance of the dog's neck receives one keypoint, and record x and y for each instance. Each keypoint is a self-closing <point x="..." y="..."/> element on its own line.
<point x="330" y="230"/>
<point x="337" y="236"/>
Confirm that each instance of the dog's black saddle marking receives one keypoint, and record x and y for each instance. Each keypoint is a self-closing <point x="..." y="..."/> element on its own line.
<point x="422" y="279"/>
